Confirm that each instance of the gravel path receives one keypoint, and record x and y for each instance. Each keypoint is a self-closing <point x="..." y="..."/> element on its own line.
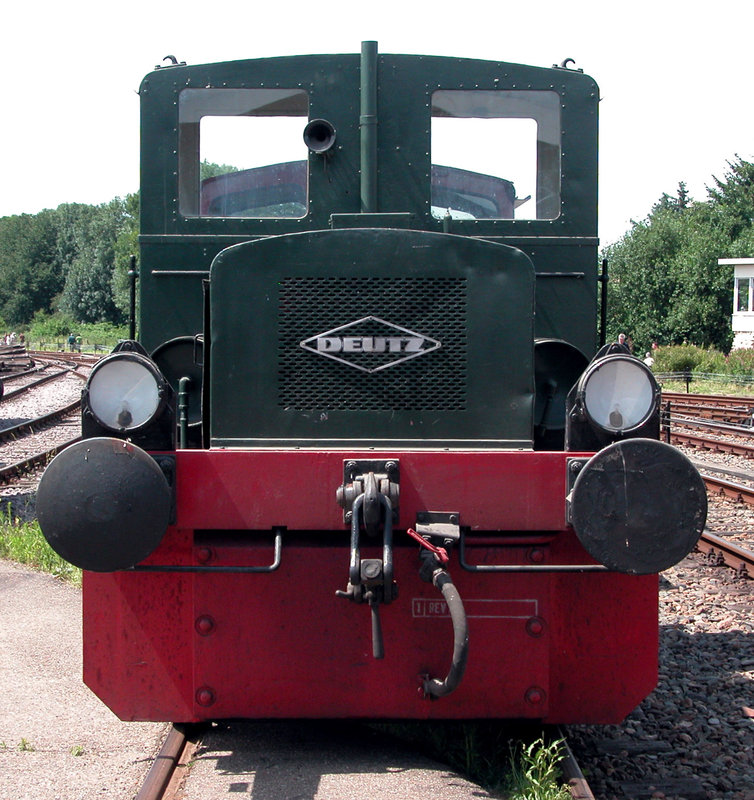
<point x="57" y="740"/>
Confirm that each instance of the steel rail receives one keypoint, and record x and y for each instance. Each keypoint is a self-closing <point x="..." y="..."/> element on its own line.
<point x="78" y="359"/>
<point x="735" y="491"/>
<point x="44" y="379"/>
<point x="730" y="416"/>
<point x="14" y="375"/>
<point x="21" y="467"/>
<point x="718" y="399"/>
<point x="38" y="422"/>
<point x="718" y="445"/>
<point x="163" y="767"/>
<point x="573" y="776"/>
<point x="727" y="552"/>
<point x="720" y="427"/>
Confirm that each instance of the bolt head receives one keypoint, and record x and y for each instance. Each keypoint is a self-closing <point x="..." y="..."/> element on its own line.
<point x="204" y="625"/>
<point x="205" y="696"/>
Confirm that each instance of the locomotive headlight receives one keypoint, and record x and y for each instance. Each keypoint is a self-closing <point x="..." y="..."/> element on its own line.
<point x="125" y="391"/>
<point x="618" y="393"/>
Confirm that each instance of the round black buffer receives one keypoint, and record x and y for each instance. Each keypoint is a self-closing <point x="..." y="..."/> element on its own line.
<point x="103" y="504"/>
<point x="639" y="506"/>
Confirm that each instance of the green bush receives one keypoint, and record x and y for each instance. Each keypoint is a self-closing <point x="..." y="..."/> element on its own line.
<point x="735" y="371"/>
<point x="54" y="329"/>
<point x="46" y="327"/>
<point x="713" y="362"/>
<point x="741" y="362"/>
<point x="681" y="358"/>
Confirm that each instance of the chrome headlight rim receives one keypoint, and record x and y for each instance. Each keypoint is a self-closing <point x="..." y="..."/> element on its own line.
<point x="647" y="393"/>
<point x="154" y="392"/>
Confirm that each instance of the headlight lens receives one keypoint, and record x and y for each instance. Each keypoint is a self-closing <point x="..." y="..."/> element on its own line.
<point x="619" y="393"/>
<point x="126" y="391"/>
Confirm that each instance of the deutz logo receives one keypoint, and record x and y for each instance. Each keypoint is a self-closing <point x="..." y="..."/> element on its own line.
<point x="370" y="344"/>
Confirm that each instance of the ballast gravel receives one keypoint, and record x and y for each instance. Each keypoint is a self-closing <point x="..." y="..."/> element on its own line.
<point x="693" y="737"/>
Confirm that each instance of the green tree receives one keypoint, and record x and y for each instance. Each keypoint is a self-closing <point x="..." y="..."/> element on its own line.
<point x="208" y="169"/>
<point x="126" y="245"/>
<point x="88" y="291"/>
<point x="30" y="270"/>
<point x="665" y="281"/>
<point x="733" y="198"/>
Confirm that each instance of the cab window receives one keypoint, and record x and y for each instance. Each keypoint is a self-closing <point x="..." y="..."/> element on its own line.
<point x="495" y="154"/>
<point x="242" y="154"/>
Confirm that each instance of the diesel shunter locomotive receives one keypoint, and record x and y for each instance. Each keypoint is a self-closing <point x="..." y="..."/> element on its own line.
<point x="362" y="460"/>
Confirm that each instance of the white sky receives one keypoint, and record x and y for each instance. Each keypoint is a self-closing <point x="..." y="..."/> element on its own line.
<point x="676" y="79"/>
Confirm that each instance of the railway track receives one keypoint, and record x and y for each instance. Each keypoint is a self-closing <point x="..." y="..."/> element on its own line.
<point x="166" y="776"/>
<point x="720" y="551"/>
<point x="28" y="385"/>
<point x="734" y="410"/>
<point x="160" y="782"/>
<point x="715" y="445"/>
<point x="31" y="434"/>
<point x="728" y="483"/>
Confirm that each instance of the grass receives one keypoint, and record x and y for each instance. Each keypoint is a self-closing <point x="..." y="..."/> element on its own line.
<point x="698" y="386"/>
<point x="535" y="773"/>
<point x="23" y="542"/>
<point x="491" y="754"/>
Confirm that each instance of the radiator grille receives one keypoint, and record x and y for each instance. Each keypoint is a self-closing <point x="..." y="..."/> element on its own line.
<point x="432" y="307"/>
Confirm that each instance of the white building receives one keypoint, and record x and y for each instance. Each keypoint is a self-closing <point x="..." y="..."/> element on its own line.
<point x="743" y="300"/>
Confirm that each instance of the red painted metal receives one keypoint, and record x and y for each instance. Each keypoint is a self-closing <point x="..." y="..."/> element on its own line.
<point x="190" y="646"/>
<point x="261" y="489"/>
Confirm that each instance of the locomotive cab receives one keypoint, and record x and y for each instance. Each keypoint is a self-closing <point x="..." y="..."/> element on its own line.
<point x="376" y="462"/>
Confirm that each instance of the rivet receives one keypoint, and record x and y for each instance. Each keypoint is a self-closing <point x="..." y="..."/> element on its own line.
<point x="204" y="555"/>
<point x="204" y="625"/>
<point x="205" y="696"/>
<point x="535" y="626"/>
<point x="536" y="555"/>
<point x="535" y="696"/>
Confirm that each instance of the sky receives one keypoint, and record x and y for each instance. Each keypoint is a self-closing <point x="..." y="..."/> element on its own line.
<point x="675" y="80"/>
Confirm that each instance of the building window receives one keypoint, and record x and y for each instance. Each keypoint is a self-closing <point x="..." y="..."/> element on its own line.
<point x="742" y="300"/>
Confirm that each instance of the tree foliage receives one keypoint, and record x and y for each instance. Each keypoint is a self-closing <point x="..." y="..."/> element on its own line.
<point x="88" y="291"/>
<point x="665" y="282"/>
<point x="30" y="266"/>
<point x="66" y="259"/>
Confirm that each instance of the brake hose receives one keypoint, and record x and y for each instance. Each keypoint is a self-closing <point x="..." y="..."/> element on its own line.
<point x="431" y="556"/>
<point x="432" y="686"/>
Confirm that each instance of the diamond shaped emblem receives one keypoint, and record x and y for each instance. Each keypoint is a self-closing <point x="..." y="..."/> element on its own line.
<point x="370" y="344"/>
